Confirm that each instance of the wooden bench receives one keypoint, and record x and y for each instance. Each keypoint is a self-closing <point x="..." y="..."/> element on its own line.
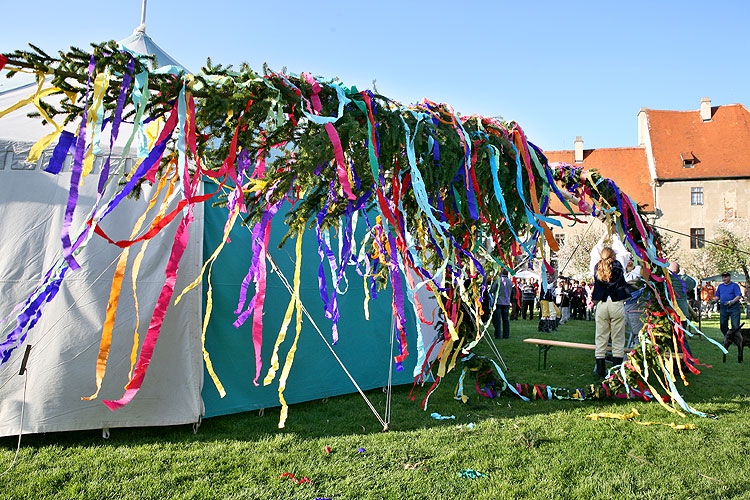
<point x="545" y="345"/>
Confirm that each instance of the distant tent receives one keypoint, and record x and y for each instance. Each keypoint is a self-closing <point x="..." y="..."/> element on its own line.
<point x="736" y="276"/>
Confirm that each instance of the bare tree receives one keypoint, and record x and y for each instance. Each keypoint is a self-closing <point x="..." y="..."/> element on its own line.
<point x="698" y="263"/>
<point x="574" y="255"/>
<point x="734" y="252"/>
<point x="670" y="245"/>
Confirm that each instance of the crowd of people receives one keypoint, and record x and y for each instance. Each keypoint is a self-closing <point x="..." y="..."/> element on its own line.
<point x="564" y="299"/>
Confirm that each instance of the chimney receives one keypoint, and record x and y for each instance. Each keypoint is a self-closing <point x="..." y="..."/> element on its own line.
<point x="642" y="128"/>
<point x="706" y="109"/>
<point x="579" y="149"/>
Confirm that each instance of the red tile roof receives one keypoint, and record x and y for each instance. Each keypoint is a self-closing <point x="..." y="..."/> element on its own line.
<point x="721" y="147"/>
<point x="628" y="167"/>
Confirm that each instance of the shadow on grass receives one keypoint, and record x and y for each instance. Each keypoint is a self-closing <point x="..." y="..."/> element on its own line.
<point x="718" y="389"/>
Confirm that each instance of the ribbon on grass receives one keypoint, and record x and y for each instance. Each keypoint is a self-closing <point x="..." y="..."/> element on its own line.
<point x="290" y="475"/>
<point x="630" y="417"/>
<point x="471" y="474"/>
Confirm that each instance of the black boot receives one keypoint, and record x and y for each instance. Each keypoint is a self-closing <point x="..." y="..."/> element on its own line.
<point x="557" y="323"/>
<point x="616" y="361"/>
<point x="601" y="368"/>
<point x="545" y="326"/>
<point x="553" y="324"/>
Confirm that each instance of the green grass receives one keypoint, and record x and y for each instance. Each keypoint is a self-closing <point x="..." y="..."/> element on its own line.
<point x="540" y="449"/>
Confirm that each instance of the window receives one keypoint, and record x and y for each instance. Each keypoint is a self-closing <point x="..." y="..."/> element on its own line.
<point x="697" y="237"/>
<point x="688" y="159"/>
<point x="696" y="196"/>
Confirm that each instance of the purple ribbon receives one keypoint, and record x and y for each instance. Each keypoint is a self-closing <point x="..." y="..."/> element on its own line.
<point x="61" y="151"/>
<point x="126" y="78"/>
<point x="330" y="305"/>
<point x="48" y="289"/>
<point x="398" y="294"/>
<point x="259" y="235"/>
<point x="75" y="178"/>
<point x="31" y="313"/>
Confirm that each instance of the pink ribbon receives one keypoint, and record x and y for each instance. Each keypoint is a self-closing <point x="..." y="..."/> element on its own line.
<point x="260" y="297"/>
<point x="334" y="137"/>
<point x="160" y="311"/>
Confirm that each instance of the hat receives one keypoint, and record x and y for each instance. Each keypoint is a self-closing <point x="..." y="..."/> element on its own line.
<point x="726" y="274"/>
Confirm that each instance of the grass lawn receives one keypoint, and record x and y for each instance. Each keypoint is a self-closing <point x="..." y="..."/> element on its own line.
<point x="539" y="449"/>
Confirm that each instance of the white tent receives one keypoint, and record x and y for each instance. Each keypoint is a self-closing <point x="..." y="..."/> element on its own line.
<point x="62" y="363"/>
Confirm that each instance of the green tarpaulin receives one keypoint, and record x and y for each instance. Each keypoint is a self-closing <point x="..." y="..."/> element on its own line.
<point x="363" y="346"/>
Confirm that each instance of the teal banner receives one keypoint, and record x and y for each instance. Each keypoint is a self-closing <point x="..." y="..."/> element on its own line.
<point x="364" y="346"/>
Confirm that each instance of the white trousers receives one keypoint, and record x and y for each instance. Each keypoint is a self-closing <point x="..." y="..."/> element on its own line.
<point x="610" y="323"/>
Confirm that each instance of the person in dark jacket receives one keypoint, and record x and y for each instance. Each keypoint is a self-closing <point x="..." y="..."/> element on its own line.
<point x="515" y="300"/>
<point x="609" y="295"/>
<point x="502" y="290"/>
<point x="527" y="299"/>
<point x="578" y="301"/>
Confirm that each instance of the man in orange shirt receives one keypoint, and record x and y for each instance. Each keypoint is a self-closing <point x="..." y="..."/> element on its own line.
<point x="707" y="295"/>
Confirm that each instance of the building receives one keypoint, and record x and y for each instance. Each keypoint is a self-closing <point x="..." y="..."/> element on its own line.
<point x="690" y="170"/>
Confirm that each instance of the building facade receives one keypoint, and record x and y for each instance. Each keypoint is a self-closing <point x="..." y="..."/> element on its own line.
<point x="690" y="170"/>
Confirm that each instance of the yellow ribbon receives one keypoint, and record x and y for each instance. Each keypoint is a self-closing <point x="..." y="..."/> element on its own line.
<point x="101" y="83"/>
<point x="41" y="144"/>
<point x="227" y="228"/>
<point x="367" y="299"/>
<point x="209" y="298"/>
<point x="631" y="416"/>
<point x="455" y="355"/>
<point x="287" y="317"/>
<point x="293" y="349"/>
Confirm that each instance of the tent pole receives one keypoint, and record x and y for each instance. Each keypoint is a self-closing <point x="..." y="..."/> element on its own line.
<point x="143" y="13"/>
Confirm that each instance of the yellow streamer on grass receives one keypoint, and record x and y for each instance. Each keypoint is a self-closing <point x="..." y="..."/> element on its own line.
<point x="630" y="417"/>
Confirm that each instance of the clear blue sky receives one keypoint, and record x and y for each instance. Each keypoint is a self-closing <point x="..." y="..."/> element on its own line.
<point x="560" y="69"/>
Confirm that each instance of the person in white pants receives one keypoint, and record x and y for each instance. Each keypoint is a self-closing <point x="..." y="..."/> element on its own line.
<point x="609" y="295"/>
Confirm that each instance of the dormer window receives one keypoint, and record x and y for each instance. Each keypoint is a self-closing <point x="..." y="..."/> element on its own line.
<point x="688" y="159"/>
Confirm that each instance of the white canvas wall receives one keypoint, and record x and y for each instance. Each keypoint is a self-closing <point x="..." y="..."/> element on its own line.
<point x="62" y="365"/>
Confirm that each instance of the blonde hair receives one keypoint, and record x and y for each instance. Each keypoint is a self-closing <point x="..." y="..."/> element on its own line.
<point x="604" y="270"/>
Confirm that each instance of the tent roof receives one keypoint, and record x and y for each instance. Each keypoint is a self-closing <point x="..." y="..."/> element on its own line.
<point x="18" y="127"/>
<point x="141" y="43"/>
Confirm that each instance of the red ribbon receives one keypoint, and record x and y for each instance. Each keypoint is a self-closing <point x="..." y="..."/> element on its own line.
<point x="156" y="228"/>
<point x="299" y="481"/>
